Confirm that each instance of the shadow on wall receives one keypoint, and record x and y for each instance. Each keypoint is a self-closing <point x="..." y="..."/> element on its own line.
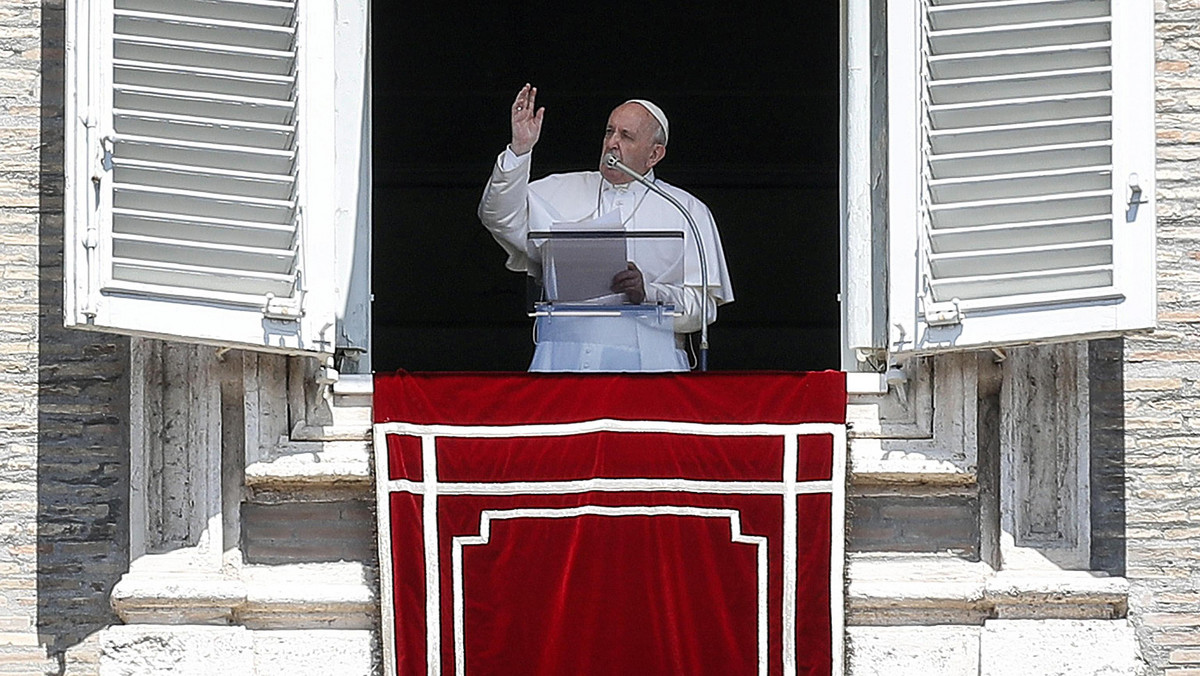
<point x="1107" y="395"/>
<point x="83" y="411"/>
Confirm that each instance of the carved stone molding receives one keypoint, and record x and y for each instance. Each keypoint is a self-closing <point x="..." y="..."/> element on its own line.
<point x="175" y="456"/>
<point x="1044" y="471"/>
<point x="922" y="430"/>
<point x="893" y="589"/>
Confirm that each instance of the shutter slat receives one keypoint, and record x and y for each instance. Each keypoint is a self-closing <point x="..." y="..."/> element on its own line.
<point x="1015" y="160"/>
<point x="1027" y="135"/>
<point x="175" y="151"/>
<point x="271" y="12"/>
<point x="187" y="53"/>
<point x="205" y="104"/>
<point x="210" y="80"/>
<point x="188" y="295"/>
<point x="1018" y="110"/>
<point x="201" y="278"/>
<point x="187" y="252"/>
<point x="1025" y="184"/>
<point x="1037" y="233"/>
<point x="191" y="29"/>
<point x="1020" y="259"/>
<point x="1020" y="36"/>
<point x="204" y="129"/>
<point x="993" y="212"/>
<point x="1014" y="285"/>
<point x="232" y="182"/>
<point x="1048" y="83"/>
<point x="1003" y="62"/>
<point x="191" y="202"/>
<point x="203" y="229"/>
<point x="990" y="14"/>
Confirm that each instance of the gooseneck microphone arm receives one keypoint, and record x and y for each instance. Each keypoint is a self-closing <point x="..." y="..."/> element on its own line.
<point x="612" y="162"/>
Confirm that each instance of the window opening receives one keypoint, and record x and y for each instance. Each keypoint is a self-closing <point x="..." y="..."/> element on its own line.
<point x="753" y="102"/>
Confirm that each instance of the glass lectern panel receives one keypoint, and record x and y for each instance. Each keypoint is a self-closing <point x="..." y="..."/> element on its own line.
<point x="578" y="266"/>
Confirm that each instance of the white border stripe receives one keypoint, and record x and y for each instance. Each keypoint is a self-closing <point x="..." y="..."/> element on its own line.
<point x="789" y="488"/>
<point x="615" y="485"/>
<point x="485" y="533"/>
<point x="791" y="449"/>
<point x="384" y="526"/>
<point x="837" y="553"/>
<point x="608" y="425"/>
<point x="433" y="596"/>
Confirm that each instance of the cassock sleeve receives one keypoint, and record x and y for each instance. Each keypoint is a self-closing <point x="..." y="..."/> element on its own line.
<point x="687" y="298"/>
<point x="504" y="208"/>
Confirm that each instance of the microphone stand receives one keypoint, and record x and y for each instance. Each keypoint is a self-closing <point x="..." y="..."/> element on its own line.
<point x="612" y="162"/>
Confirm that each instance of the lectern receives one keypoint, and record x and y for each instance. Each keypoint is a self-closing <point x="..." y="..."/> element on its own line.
<point x="581" y="325"/>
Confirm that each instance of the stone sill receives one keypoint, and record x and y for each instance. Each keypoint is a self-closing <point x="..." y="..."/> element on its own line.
<point x="355" y="385"/>
<point x="362" y="384"/>
<point x="300" y="596"/>
<point x="890" y="589"/>
<point x="872" y="464"/>
<point x="866" y="383"/>
<point x="341" y="454"/>
<point x="346" y="462"/>
<point x="315" y="463"/>
<point x="884" y="589"/>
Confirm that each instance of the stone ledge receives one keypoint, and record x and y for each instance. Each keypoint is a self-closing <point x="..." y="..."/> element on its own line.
<point x="1062" y="595"/>
<point x="348" y="460"/>
<point x="881" y="452"/>
<point x="313" y="463"/>
<point x="931" y="589"/>
<point x="177" y="598"/>
<point x="300" y="596"/>
<point x="883" y="590"/>
<point x="997" y="648"/>
<point x="201" y="651"/>
<point x="278" y="596"/>
<point x="872" y="464"/>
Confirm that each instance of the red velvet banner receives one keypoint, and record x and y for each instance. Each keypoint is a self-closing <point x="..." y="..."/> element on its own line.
<point x="666" y="524"/>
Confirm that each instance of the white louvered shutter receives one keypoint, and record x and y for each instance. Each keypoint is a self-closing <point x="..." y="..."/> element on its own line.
<point x="199" y="170"/>
<point x="1021" y="165"/>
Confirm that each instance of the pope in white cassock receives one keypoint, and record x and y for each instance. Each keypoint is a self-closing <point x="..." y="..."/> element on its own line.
<point x="512" y="206"/>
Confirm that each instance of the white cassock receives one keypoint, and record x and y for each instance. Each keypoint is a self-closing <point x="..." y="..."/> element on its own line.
<point x="512" y="206"/>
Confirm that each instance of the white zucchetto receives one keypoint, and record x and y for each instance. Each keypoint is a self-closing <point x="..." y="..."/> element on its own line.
<point x="658" y="115"/>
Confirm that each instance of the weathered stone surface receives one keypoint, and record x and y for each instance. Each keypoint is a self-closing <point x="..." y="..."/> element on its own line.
<point x="137" y="650"/>
<point x="134" y="650"/>
<point x="1157" y="426"/>
<point x="314" y="652"/>
<point x="63" y="443"/>
<point x="1058" y="648"/>
<point x="939" y="650"/>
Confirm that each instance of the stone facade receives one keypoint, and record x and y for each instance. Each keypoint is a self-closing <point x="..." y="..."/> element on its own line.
<point x="63" y="394"/>
<point x="65" y="469"/>
<point x="1162" y="376"/>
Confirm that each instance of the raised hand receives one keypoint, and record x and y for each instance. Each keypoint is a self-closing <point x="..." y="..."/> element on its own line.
<point x="526" y="124"/>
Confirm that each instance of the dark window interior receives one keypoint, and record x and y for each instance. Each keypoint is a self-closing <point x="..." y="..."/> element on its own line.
<point x="752" y="96"/>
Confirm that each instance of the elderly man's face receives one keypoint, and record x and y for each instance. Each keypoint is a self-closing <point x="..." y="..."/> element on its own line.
<point x="630" y="136"/>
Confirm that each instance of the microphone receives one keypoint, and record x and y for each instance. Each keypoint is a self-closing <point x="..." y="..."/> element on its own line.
<point x="611" y="161"/>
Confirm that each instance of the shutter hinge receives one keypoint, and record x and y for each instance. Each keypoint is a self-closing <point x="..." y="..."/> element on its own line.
<point x="328" y="374"/>
<point x="943" y="314"/>
<point x="101" y="166"/>
<point x="103" y="160"/>
<point x="282" y="309"/>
